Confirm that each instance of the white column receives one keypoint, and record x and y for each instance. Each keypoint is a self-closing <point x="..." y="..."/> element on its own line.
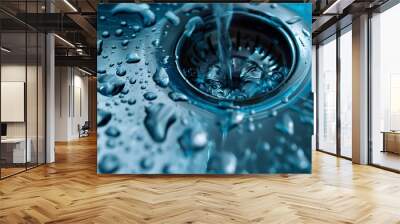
<point x="360" y="90"/>
<point x="50" y="99"/>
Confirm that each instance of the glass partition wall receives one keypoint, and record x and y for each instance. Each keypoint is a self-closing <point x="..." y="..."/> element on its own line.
<point x="385" y="90"/>
<point x="22" y="93"/>
<point x="334" y="93"/>
<point x="327" y="95"/>
<point x="345" y="93"/>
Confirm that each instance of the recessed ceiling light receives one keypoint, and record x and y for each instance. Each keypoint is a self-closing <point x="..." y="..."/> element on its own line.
<point x="65" y="41"/>
<point x="70" y="5"/>
<point x="84" y="71"/>
<point x="5" y="50"/>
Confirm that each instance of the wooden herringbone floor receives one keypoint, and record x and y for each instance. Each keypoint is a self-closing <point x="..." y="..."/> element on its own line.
<point x="70" y="191"/>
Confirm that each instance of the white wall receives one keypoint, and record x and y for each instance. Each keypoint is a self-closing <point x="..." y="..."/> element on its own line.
<point x="70" y="84"/>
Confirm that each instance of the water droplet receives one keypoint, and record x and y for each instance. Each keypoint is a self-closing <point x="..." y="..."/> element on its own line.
<point x="192" y="141"/>
<point x="232" y="120"/>
<point x="293" y="20"/>
<point x="222" y="163"/>
<point x="161" y="78"/>
<point x="109" y="85"/>
<point x="265" y="147"/>
<point x="306" y="33"/>
<point x="147" y="163"/>
<point x="125" y="42"/>
<point x="121" y="71"/>
<point x="109" y="163"/>
<point x="132" y="80"/>
<point x="99" y="47"/>
<point x="124" y="91"/>
<point x="103" y="117"/>
<point x="101" y="71"/>
<point x="136" y="28"/>
<point x="132" y="58"/>
<point x="119" y="32"/>
<point x="156" y="42"/>
<point x="159" y="118"/>
<point x="177" y="96"/>
<point x="102" y="18"/>
<point x="165" y="60"/>
<point x="112" y="132"/>
<point x="123" y="23"/>
<point x="252" y="127"/>
<point x="146" y="14"/>
<point x="105" y="34"/>
<point x="172" y="18"/>
<point x="132" y="101"/>
<point x="170" y="168"/>
<point x="150" y="96"/>
<point x="285" y="99"/>
<point x="286" y="125"/>
<point x="111" y="143"/>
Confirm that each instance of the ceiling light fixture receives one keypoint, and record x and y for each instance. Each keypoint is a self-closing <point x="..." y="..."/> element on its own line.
<point x="5" y="50"/>
<point x="65" y="41"/>
<point x="70" y="5"/>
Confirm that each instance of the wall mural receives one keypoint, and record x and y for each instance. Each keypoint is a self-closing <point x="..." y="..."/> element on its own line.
<point x="196" y="88"/>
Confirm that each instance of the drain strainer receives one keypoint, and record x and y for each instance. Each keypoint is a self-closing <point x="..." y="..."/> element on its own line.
<point x="262" y="58"/>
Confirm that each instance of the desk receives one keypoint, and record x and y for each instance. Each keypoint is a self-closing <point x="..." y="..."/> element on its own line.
<point x="391" y="141"/>
<point x="16" y="147"/>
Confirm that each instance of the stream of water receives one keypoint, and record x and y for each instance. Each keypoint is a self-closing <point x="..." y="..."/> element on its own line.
<point x="223" y="17"/>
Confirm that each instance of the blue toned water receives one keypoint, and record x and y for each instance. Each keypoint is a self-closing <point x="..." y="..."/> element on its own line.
<point x="151" y="121"/>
